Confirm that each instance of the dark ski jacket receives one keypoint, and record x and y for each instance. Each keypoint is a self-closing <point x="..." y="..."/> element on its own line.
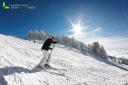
<point x="47" y="43"/>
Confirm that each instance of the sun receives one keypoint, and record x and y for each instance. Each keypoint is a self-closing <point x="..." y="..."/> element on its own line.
<point x="77" y="29"/>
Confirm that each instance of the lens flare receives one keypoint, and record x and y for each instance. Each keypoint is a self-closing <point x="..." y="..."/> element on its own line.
<point x="77" y="28"/>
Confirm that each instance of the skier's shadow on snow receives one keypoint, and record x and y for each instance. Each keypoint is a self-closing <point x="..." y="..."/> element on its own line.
<point x="11" y="70"/>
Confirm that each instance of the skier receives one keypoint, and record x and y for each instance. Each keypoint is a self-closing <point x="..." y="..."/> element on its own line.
<point x="46" y="58"/>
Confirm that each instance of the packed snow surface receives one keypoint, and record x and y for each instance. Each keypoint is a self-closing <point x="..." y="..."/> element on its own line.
<point x="69" y="66"/>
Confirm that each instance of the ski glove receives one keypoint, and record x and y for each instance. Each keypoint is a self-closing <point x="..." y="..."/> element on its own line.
<point x="54" y="42"/>
<point x="50" y="48"/>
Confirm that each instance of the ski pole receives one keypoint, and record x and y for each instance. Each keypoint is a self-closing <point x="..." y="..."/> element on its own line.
<point x="51" y="52"/>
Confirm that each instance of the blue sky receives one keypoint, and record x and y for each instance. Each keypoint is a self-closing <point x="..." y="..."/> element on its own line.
<point x="105" y="21"/>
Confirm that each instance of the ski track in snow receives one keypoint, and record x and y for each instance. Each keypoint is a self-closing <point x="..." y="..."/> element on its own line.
<point x="18" y="58"/>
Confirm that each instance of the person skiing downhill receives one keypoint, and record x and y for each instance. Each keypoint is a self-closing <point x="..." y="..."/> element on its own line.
<point x="46" y="58"/>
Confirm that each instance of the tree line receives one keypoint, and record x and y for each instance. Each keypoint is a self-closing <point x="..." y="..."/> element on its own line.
<point x="93" y="48"/>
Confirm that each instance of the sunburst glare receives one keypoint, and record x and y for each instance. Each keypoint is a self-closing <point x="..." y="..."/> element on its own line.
<point x="77" y="28"/>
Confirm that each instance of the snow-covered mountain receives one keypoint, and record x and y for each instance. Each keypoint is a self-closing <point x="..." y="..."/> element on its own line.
<point x="18" y="58"/>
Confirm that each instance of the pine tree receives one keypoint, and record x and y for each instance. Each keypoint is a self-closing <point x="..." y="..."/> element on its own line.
<point x="95" y="47"/>
<point x="103" y="52"/>
<point x="30" y="34"/>
<point x="89" y="48"/>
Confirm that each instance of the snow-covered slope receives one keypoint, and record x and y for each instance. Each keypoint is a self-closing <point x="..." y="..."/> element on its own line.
<point x="69" y="66"/>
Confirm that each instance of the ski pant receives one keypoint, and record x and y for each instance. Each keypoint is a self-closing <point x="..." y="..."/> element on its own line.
<point x="46" y="58"/>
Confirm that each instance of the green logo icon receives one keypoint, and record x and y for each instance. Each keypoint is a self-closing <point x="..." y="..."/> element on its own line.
<point x="5" y="6"/>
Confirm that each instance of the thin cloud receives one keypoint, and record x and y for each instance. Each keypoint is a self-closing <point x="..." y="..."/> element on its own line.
<point x="113" y="42"/>
<point x="96" y="30"/>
